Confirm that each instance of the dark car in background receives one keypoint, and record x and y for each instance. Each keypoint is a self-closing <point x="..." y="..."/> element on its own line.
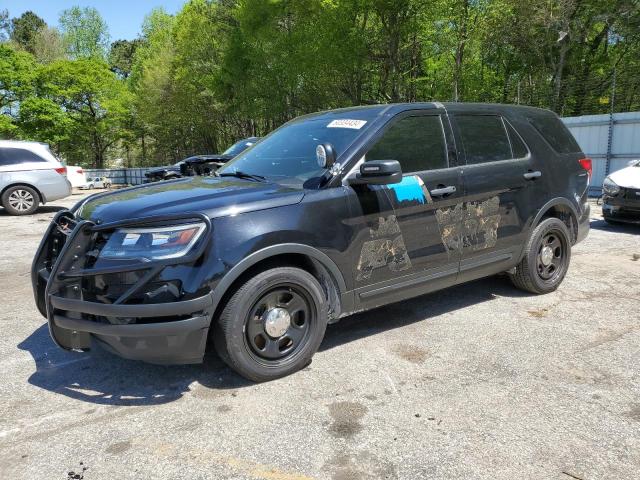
<point x="331" y="214"/>
<point x="164" y="173"/>
<point x="208" y="164"/>
<point x="199" y="164"/>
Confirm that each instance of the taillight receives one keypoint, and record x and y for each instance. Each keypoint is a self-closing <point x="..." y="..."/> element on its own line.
<point x="587" y="165"/>
<point x="62" y="170"/>
<point x="79" y="171"/>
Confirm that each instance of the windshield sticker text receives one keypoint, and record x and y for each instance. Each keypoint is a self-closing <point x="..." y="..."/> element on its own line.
<point x="347" y="123"/>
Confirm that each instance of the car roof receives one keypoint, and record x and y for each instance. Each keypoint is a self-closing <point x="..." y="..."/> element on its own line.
<point x="22" y="143"/>
<point x="453" y="107"/>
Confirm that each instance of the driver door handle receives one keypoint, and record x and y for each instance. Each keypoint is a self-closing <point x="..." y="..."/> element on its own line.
<point x="438" y="192"/>
<point x="532" y="175"/>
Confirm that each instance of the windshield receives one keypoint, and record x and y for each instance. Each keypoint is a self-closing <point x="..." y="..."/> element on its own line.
<point x="288" y="155"/>
<point x="239" y="147"/>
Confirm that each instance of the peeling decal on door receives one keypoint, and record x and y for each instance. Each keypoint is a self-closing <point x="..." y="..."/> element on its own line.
<point x="386" y="248"/>
<point x="471" y="224"/>
<point x="411" y="189"/>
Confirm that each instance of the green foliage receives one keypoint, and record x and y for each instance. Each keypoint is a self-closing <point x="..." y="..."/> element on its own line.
<point x="94" y="103"/>
<point x="121" y="56"/>
<point x="49" y="45"/>
<point x="25" y="28"/>
<point x="85" y="32"/>
<point x="17" y="75"/>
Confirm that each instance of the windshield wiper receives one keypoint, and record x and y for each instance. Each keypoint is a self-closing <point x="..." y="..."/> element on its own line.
<point x="239" y="174"/>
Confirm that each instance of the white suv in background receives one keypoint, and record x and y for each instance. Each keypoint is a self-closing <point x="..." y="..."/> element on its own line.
<point x="30" y="175"/>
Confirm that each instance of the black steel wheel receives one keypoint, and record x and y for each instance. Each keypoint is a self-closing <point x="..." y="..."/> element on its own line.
<point x="273" y="324"/>
<point x="279" y="323"/>
<point x="550" y="259"/>
<point x="546" y="258"/>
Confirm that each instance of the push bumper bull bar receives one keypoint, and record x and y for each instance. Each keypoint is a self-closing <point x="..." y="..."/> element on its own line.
<point x="157" y="339"/>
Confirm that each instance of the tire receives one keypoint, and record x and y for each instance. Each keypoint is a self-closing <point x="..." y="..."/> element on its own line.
<point x="20" y="200"/>
<point x="262" y="350"/>
<point x="534" y="273"/>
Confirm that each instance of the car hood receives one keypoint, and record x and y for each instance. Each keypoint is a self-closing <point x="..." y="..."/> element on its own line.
<point x="212" y="196"/>
<point x="627" y="177"/>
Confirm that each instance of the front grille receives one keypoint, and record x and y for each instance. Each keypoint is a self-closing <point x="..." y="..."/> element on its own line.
<point x="632" y="194"/>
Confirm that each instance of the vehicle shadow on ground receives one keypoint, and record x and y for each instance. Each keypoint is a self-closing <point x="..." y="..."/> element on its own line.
<point x="102" y="378"/>
<point x="615" y="227"/>
<point x="42" y="209"/>
<point x="418" y="309"/>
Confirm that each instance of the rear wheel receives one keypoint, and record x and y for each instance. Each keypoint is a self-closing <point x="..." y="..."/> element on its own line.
<point x="546" y="259"/>
<point x="20" y="200"/>
<point x="273" y="324"/>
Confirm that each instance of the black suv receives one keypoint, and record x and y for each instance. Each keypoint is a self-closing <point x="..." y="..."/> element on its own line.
<point x="333" y="213"/>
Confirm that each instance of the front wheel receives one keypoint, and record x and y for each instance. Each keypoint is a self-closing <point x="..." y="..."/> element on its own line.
<point x="546" y="258"/>
<point x="273" y="324"/>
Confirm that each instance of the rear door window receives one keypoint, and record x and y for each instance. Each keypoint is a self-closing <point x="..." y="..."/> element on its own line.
<point x="418" y="143"/>
<point x="16" y="156"/>
<point x="484" y="138"/>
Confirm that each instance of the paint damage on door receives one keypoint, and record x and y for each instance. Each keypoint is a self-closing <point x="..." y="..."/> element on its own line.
<point x="386" y="248"/>
<point x="470" y="224"/>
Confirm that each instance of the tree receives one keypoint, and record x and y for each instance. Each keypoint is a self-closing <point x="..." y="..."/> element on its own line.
<point x="85" y="32"/>
<point x="49" y="45"/>
<point x="25" y="28"/>
<point x="96" y="103"/>
<point x="121" y="55"/>
<point x="5" y="25"/>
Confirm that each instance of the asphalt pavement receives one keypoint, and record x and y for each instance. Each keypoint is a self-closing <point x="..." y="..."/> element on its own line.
<point x="480" y="381"/>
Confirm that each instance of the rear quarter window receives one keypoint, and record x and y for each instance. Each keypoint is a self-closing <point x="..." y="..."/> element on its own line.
<point x="554" y="132"/>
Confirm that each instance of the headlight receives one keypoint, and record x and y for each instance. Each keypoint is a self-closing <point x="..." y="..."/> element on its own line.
<point x="156" y="243"/>
<point x="610" y="187"/>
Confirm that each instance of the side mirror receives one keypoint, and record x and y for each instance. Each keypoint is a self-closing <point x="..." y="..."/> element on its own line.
<point x="325" y="155"/>
<point x="378" y="172"/>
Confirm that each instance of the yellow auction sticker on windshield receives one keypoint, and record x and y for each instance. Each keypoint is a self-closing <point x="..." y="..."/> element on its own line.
<point x="347" y="123"/>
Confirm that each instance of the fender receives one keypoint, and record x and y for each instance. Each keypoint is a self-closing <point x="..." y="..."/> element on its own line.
<point x="272" y="251"/>
<point x="552" y="203"/>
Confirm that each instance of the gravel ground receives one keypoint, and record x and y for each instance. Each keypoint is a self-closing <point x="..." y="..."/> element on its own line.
<point x="478" y="381"/>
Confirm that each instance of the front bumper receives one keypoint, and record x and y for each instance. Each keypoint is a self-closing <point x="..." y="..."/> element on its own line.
<point x="168" y="332"/>
<point x="624" y="207"/>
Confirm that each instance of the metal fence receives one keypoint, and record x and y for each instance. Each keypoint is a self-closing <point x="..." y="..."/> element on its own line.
<point x="119" y="176"/>
<point x="611" y="141"/>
